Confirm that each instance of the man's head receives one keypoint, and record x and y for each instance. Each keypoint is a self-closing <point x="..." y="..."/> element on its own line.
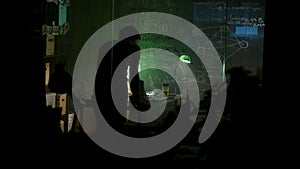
<point x="129" y="31"/>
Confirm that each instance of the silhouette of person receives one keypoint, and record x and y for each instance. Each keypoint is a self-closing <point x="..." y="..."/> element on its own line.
<point x="237" y="138"/>
<point x="60" y="82"/>
<point x="120" y="50"/>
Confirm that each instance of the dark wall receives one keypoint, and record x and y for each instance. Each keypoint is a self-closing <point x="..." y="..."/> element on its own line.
<point x="85" y="18"/>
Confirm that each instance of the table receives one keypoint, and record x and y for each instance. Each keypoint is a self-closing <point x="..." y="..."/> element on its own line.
<point x="161" y="120"/>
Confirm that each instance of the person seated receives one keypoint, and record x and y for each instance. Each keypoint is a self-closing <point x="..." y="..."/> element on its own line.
<point x="139" y="98"/>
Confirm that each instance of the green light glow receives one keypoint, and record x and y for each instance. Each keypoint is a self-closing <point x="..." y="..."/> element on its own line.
<point x="186" y="59"/>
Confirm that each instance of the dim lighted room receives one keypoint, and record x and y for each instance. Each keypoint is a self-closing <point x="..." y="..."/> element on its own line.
<point x="175" y="81"/>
